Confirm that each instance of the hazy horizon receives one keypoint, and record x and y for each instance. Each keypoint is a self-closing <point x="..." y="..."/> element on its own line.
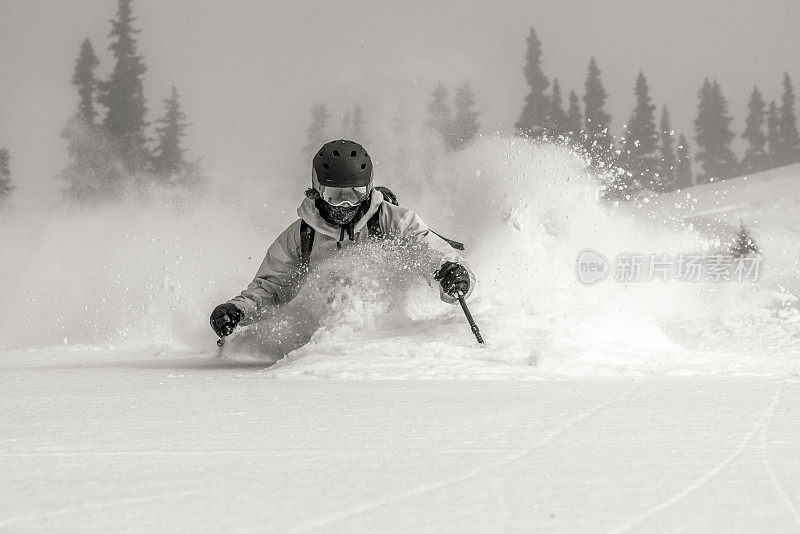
<point x="249" y="72"/>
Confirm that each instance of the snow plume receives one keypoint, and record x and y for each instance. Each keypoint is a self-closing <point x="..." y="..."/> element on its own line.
<point x="525" y="212"/>
<point x="356" y="296"/>
<point x="130" y="272"/>
<point x="151" y="275"/>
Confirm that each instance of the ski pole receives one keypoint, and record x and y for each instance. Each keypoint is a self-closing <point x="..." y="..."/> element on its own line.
<point x="472" y="325"/>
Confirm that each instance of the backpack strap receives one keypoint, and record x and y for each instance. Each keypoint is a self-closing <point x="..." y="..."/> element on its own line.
<point x="374" y="225"/>
<point x="306" y="244"/>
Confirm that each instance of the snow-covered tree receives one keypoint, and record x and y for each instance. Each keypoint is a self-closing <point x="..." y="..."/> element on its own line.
<point x="755" y="157"/>
<point x="357" y="127"/>
<point x="557" y="117"/>
<point x="440" y="116"/>
<point x="168" y="153"/>
<point x="596" y="121"/>
<point x="317" y="132"/>
<point x="640" y="148"/>
<point x="347" y="125"/>
<point x="743" y="243"/>
<point x="465" y="121"/>
<point x="574" y="119"/>
<point x="84" y="79"/>
<point x="94" y="172"/>
<point x="123" y="93"/>
<point x="790" y="138"/>
<point x="667" y="168"/>
<point x="683" y="165"/>
<point x="402" y="135"/>
<point x="6" y="187"/>
<point x="713" y="135"/>
<point x="773" y="135"/>
<point x="537" y="105"/>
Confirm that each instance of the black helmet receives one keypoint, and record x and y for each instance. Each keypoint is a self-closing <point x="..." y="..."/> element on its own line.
<point x="342" y="163"/>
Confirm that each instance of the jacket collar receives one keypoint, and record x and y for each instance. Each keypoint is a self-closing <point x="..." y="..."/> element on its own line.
<point x="309" y="213"/>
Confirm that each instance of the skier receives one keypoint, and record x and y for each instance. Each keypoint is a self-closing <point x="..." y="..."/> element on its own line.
<point x="341" y="209"/>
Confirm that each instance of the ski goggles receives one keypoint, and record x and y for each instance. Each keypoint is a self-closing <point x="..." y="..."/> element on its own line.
<point x="342" y="196"/>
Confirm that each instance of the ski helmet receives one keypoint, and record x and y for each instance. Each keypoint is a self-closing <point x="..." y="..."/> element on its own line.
<point x="342" y="173"/>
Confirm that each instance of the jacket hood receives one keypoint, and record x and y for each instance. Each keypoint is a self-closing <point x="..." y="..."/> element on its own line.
<point x="309" y="213"/>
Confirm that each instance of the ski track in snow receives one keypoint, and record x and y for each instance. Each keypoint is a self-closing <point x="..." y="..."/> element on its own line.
<point x="67" y="510"/>
<point x="764" y="449"/>
<point x="472" y="473"/>
<point x="760" y="426"/>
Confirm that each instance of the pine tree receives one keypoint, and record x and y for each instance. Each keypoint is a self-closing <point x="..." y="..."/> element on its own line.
<point x="755" y="158"/>
<point x="596" y="121"/>
<point x="683" y="165"/>
<point x="574" y="117"/>
<point x="123" y="93"/>
<point x="557" y="118"/>
<point x="347" y="125"/>
<point x="93" y="173"/>
<point x="440" y="116"/>
<point x="5" y="175"/>
<point x="316" y="133"/>
<point x="465" y="122"/>
<point x="402" y="134"/>
<point x="537" y="106"/>
<point x="790" y="138"/>
<point x="83" y="78"/>
<point x="713" y="135"/>
<point x="640" y="149"/>
<point x="667" y="168"/>
<point x="773" y="136"/>
<point x="168" y="153"/>
<point x="357" y="130"/>
<point x="743" y="244"/>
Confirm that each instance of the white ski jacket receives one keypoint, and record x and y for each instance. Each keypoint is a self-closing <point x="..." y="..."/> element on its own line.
<point x="276" y="280"/>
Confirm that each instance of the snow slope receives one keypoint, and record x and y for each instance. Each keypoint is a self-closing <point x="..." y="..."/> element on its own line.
<point x="94" y="441"/>
<point x="650" y="406"/>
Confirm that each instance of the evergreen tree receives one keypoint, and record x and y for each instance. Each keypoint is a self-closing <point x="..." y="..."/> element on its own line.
<point x="357" y="130"/>
<point x="596" y="120"/>
<point x="640" y="149"/>
<point x="316" y="133"/>
<point x="755" y="157"/>
<point x="683" y="165"/>
<point x="743" y="244"/>
<point x="123" y="93"/>
<point x="713" y="135"/>
<point x="557" y="118"/>
<point x="5" y="175"/>
<point x="790" y="138"/>
<point x="94" y="172"/>
<point x="402" y="134"/>
<point x="440" y="116"/>
<point x="168" y="153"/>
<point x="773" y="136"/>
<point x="465" y="122"/>
<point x="667" y="170"/>
<point x="347" y="125"/>
<point x="83" y="78"/>
<point x="537" y="106"/>
<point x="574" y="117"/>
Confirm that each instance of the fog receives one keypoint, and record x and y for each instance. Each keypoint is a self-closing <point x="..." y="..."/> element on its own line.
<point x="249" y="71"/>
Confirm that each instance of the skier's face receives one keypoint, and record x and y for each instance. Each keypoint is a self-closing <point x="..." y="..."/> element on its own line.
<point x="341" y="214"/>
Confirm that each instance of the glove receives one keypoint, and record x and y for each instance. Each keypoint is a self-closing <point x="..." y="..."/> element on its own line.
<point x="224" y="318"/>
<point x="453" y="278"/>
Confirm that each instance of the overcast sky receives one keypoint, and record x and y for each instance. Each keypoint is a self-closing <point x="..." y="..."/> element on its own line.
<point x="249" y="70"/>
